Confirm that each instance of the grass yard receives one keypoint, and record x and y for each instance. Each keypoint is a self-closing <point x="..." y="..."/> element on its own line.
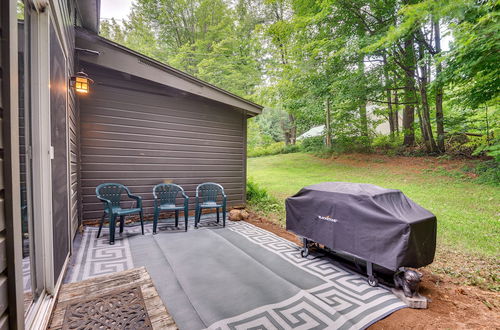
<point x="468" y="213"/>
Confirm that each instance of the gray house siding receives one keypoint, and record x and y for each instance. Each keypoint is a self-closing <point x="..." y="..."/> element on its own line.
<point x="74" y="126"/>
<point x="140" y="133"/>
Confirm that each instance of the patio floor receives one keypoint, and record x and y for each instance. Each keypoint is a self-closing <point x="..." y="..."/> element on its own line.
<point x="236" y="277"/>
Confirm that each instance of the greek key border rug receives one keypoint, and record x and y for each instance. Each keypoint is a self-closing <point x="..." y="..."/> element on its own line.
<point x="338" y="299"/>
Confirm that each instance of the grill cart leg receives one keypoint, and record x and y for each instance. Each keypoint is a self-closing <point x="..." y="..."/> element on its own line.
<point x="372" y="280"/>
<point x="304" y="252"/>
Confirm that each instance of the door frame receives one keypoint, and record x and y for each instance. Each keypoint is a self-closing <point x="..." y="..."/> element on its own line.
<point x="38" y="105"/>
<point x="41" y="178"/>
<point x="64" y="50"/>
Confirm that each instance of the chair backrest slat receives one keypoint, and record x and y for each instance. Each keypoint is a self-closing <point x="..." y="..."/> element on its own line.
<point x="112" y="192"/>
<point x="209" y="191"/>
<point x="167" y="193"/>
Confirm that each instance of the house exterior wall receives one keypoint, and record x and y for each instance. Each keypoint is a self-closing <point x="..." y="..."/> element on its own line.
<point x="73" y="122"/>
<point x="140" y="133"/>
<point x="11" y="307"/>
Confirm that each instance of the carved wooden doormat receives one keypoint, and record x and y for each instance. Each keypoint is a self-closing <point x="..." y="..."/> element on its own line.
<point x="122" y="300"/>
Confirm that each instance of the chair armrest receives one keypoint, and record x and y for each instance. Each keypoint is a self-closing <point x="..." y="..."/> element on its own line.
<point x="137" y="198"/>
<point x="224" y="199"/>
<point x="186" y="198"/>
<point x="107" y="204"/>
<point x="104" y="200"/>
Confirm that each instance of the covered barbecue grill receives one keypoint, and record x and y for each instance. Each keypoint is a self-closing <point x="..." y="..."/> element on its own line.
<point x="378" y="225"/>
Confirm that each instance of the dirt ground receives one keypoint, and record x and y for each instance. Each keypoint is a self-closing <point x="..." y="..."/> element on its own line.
<point x="402" y="164"/>
<point x="451" y="306"/>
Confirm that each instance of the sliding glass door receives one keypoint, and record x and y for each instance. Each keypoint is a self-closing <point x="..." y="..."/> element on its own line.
<point x="30" y="290"/>
<point x="59" y="143"/>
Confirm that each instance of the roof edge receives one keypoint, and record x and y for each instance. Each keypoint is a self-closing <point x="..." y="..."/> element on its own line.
<point x="165" y="67"/>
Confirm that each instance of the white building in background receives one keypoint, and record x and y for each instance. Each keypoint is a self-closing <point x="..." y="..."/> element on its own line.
<point x="315" y="131"/>
<point x="382" y="128"/>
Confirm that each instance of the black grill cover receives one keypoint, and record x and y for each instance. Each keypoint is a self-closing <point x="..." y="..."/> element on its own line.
<point x="379" y="225"/>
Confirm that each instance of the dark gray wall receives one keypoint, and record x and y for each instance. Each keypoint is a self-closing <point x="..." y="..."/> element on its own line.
<point x="74" y="127"/>
<point x="139" y="133"/>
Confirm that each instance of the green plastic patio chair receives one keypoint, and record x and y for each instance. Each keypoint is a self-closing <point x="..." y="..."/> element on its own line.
<point x="206" y="198"/>
<point x="110" y="194"/>
<point x="165" y="195"/>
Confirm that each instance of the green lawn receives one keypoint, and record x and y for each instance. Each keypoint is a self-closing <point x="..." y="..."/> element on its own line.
<point x="468" y="214"/>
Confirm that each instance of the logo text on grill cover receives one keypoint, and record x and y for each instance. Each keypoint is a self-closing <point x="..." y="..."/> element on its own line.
<point x="327" y="218"/>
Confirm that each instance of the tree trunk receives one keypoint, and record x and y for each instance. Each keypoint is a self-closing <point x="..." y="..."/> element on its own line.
<point x="426" y="126"/>
<point x="293" y="129"/>
<point x="389" y="98"/>
<point x="425" y="118"/>
<point x="396" y="112"/>
<point x="439" y="92"/>
<point x="420" y="123"/>
<point x="362" y="105"/>
<point x="327" y="125"/>
<point x="409" y="93"/>
<point x="390" y="114"/>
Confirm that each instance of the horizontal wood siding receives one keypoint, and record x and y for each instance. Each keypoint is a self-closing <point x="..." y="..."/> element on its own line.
<point x="3" y="265"/>
<point x="74" y="152"/>
<point x="139" y="134"/>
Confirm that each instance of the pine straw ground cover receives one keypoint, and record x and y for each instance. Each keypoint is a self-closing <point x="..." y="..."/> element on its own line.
<point x="468" y="213"/>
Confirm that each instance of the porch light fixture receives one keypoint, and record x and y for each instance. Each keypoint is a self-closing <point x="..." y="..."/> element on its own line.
<point x="81" y="82"/>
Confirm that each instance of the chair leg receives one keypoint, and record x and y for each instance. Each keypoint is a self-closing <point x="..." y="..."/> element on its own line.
<point x="198" y="216"/>
<point x="142" y="222"/>
<point x="223" y="217"/>
<point x="155" y="220"/>
<point x="186" y="216"/>
<point x="122" y="223"/>
<point x="112" y="223"/>
<point x="176" y="218"/>
<point x="101" y="224"/>
<point x="218" y="216"/>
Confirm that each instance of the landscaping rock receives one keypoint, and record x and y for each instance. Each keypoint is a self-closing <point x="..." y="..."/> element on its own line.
<point x="235" y="215"/>
<point x="244" y="214"/>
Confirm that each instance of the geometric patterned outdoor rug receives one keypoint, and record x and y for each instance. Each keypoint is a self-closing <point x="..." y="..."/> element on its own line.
<point x="345" y="301"/>
<point x="307" y="293"/>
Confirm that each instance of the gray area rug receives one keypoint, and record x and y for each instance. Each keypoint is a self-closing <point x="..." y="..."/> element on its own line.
<point x="238" y="277"/>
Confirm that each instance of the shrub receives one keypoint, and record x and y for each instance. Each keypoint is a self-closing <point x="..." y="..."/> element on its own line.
<point x="488" y="172"/>
<point x="272" y="149"/>
<point x="346" y="144"/>
<point x="259" y="197"/>
<point x="387" y="143"/>
<point x="312" y="144"/>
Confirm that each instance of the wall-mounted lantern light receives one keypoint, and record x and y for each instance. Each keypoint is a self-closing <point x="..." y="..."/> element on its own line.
<point x="81" y="82"/>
